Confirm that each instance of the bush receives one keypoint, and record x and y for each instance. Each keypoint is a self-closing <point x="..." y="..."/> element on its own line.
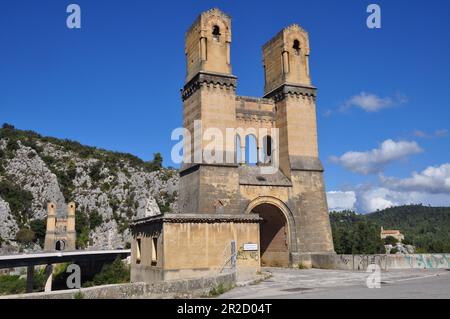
<point x="78" y="295"/>
<point x="155" y="164"/>
<point x="390" y="240"/>
<point x="39" y="227"/>
<point x="25" y="236"/>
<point x="96" y="172"/>
<point x="114" y="273"/>
<point x="11" y="285"/>
<point x="95" y="219"/>
<point x="14" y="284"/>
<point x="19" y="201"/>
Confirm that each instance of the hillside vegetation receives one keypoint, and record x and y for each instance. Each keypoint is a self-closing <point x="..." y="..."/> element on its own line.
<point x="427" y="228"/>
<point x="109" y="189"/>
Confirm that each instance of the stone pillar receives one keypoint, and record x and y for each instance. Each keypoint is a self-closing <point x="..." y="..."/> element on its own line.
<point x="49" y="244"/>
<point x="30" y="277"/>
<point x="242" y="160"/>
<point x="71" y="233"/>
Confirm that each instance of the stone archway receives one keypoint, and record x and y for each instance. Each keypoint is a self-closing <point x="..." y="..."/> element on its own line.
<point x="274" y="236"/>
<point x="276" y="231"/>
<point x="60" y="245"/>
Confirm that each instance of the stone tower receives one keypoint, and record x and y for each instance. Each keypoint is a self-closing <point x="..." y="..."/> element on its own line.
<point x="60" y="234"/>
<point x="291" y="201"/>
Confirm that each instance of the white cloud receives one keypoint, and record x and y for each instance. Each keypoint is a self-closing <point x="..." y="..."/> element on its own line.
<point x="338" y="200"/>
<point x="437" y="134"/>
<point x="429" y="187"/>
<point x="375" y="160"/>
<point x="433" y="180"/>
<point x="374" y="198"/>
<point x="373" y="103"/>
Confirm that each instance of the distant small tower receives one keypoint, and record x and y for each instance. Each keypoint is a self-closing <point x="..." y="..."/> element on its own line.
<point x="60" y="234"/>
<point x="50" y="234"/>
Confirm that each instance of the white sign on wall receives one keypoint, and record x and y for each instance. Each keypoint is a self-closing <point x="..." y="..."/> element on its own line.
<point x="250" y="247"/>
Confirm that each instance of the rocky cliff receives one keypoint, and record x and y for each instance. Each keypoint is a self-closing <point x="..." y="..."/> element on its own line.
<point x="109" y="189"/>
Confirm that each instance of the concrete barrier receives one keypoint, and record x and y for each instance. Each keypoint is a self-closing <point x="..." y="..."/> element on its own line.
<point x="189" y="288"/>
<point x="385" y="262"/>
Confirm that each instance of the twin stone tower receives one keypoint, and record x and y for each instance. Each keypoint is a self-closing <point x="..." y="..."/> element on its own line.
<point x="288" y="204"/>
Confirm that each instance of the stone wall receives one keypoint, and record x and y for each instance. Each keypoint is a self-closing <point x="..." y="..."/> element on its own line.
<point x="193" y="246"/>
<point x="189" y="288"/>
<point x="385" y="262"/>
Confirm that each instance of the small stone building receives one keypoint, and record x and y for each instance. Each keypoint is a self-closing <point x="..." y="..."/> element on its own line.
<point x="384" y="233"/>
<point x="275" y="204"/>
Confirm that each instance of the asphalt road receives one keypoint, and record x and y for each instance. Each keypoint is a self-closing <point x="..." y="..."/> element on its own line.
<point x="332" y="284"/>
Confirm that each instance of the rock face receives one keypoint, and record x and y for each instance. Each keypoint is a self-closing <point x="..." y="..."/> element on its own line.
<point x="8" y="226"/>
<point x="109" y="189"/>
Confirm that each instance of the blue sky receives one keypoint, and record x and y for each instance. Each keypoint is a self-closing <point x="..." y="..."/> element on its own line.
<point x="115" y="83"/>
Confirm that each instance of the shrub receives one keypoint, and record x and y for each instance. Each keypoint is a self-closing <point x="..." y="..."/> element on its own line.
<point x="39" y="227"/>
<point x="155" y="164"/>
<point x="78" y="295"/>
<point x="19" y="201"/>
<point x="14" y="284"/>
<point x="25" y="236"/>
<point x="96" y="172"/>
<point x="390" y="240"/>
<point x="10" y="285"/>
<point x="95" y="219"/>
<point x="114" y="273"/>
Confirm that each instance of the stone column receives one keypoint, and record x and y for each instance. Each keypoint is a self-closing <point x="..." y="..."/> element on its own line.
<point x="30" y="277"/>
<point x="242" y="160"/>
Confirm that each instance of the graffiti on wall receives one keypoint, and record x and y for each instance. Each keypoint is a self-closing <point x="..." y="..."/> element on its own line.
<point x="361" y="262"/>
<point x="428" y="261"/>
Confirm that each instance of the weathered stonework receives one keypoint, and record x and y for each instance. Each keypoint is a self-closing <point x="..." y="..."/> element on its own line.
<point x="297" y="189"/>
<point x="60" y="233"/>
<point x="179" y="246"/>
<point x="283" y="215"/>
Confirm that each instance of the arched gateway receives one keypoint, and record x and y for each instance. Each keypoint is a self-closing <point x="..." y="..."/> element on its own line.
<point x="274" y="236"/>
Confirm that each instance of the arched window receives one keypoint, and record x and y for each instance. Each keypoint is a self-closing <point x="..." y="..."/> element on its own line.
<point x="238" y="149"/>
<point x="251" y="150"/>
<point x="216" y="32"/>
<point x="296" y="47"/>
<point x="267" y="150"/>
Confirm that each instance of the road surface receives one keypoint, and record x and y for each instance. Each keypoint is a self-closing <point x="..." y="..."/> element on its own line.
<point x="332" y="284"/>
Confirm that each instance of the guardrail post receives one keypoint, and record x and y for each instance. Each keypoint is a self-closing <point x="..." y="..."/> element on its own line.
<point x="30" y="277"/>
<point x="233" y="256"/>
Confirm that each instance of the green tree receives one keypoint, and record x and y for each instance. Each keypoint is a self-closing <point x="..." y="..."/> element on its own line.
<point x="39" y="227"/>
<point x="25" y="236"/>
<point x="95" y="219"/>
<point x="390" y="240"/>
<point x="19" y="201"/>
<point x="156" y="163"/>
<point x="114" y="273"/>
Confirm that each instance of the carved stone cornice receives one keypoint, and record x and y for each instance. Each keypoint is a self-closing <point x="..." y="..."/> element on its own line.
<point x="226" y="81"/>
<point x="287" y="89"/>
<point x="197" y="218"/>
